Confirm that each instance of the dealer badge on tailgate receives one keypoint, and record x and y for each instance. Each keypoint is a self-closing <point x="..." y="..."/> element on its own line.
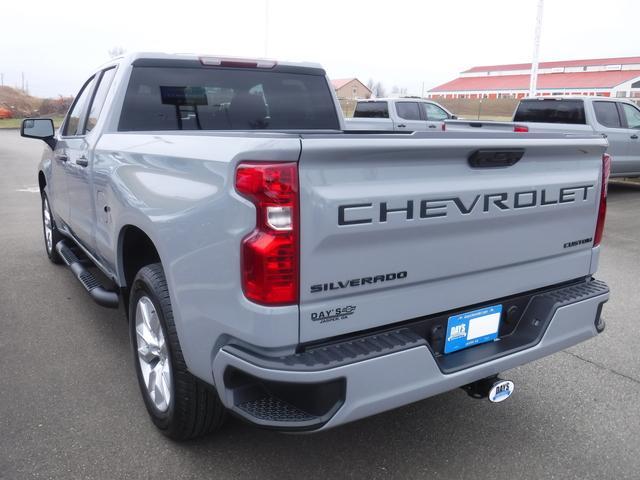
<point x="472" y="328"/>
<point x="333" y="314"/>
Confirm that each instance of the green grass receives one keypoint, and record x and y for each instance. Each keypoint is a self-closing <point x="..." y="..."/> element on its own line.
<point x="16" y="122"/>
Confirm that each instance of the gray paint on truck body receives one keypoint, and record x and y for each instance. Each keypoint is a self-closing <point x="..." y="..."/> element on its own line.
<point x="452" y="260"/>
<point x="178" y="188"/>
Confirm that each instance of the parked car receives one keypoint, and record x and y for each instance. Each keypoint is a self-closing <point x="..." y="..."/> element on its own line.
<point x="617" y="119"/>
<point x="398" y="114"/>
<point x="273" y="265"/>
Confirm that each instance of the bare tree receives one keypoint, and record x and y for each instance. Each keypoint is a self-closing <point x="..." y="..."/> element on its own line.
<point x="379" y="90"/>
<point x="116" y="51"/>
<point x="370" y="84"/>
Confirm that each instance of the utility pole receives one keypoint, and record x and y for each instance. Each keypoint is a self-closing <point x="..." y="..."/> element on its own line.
<point x="1" y="79"/>
<point x="266" y="28"/>
<point x="22" y="82"/>
<point x="536" y="50"/>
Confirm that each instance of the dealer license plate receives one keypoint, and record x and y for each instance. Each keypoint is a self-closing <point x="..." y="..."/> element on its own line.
<point x="472" y="328"/>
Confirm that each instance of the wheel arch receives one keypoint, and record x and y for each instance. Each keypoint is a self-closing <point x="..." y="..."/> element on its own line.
<point x="136" y="249"/>
<point x="42" y="181"/>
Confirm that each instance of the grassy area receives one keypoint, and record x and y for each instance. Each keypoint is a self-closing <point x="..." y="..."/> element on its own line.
<point x="16" y="122"/>
<point x="495" y="109"/>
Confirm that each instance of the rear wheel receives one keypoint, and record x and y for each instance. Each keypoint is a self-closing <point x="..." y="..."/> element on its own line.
<point x="51" y="234"/>
<point x="179" y="404"/>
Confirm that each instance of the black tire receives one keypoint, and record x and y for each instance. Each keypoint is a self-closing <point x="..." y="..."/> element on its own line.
<point x="56" y="236"/>
<point x="194" y="409"/>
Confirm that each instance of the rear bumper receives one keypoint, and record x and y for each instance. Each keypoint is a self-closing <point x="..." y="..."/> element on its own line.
<point x="335" y="384"/>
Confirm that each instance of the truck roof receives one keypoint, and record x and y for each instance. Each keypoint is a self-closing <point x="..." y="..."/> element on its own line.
<point x="576" y="97"/>
<point x="134" y="56"/>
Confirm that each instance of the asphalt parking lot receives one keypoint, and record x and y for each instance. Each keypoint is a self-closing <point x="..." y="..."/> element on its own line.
<point x="70" y="406"/>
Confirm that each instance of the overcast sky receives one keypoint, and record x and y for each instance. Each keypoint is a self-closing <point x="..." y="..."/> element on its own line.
<point x="405" y="43"/>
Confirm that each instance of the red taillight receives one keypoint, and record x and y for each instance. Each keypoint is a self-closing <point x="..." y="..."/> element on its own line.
<point x="269" y="254"/>
<point x="237" y="62"/>
<point x="602" y="209"/>
<point x="520" y="128"/>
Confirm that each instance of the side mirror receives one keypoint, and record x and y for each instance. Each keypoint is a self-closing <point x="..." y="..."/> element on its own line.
<point x="41" y="128"/>
<point x="454" y="117"/>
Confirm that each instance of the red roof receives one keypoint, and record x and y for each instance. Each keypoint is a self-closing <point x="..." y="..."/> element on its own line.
<point x="545" y="81"/>
<point x="565" y="63"/>
<point x="341" y="82"/>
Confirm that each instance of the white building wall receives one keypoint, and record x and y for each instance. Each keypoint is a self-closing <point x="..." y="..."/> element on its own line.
<point x="525" y="92"/>
<point x="626" y="90"/>
<point x="567" y="69"/>
<point x="495" y="73"/>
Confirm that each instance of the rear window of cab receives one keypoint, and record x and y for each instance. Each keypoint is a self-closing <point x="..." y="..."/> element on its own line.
<point x="551" y="111"/>
<point x="173" y="98"/>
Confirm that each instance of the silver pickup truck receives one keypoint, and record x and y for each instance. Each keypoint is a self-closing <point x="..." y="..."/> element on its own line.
<point x="273" y="266"/>
<point x="617" y="119"/>
<point x="398" y="114"/>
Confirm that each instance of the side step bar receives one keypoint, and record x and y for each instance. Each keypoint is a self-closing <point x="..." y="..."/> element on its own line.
<point x="92" y="285"/>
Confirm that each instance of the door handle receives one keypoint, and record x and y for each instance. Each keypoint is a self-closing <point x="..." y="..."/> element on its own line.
<point x="82" y="161"/>
<point x="402" y="125"/>
<point x="62" y="157"/>
<point x="432" y="126"/>
<point x="634" y="136"/>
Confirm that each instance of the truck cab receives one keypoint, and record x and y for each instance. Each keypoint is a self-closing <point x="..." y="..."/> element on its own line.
<point x="617" y="119"/>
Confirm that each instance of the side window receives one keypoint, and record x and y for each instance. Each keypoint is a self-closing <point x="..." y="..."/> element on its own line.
<point x="99" y="98"/>
<point x="408" y="110"/>
<point x="371" y="110"/>
<point x="632" y="114"/>
<point x="434" y="112"/>
<point x="607" y="114"/>
<point x="74" y="118"/>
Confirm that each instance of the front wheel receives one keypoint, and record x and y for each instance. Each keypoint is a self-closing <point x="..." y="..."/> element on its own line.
<point x="179" y="404"/>
<point x="51" y="234"/>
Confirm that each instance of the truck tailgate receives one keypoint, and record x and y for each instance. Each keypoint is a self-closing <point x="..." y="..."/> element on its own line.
<point x="395" y="228"/>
